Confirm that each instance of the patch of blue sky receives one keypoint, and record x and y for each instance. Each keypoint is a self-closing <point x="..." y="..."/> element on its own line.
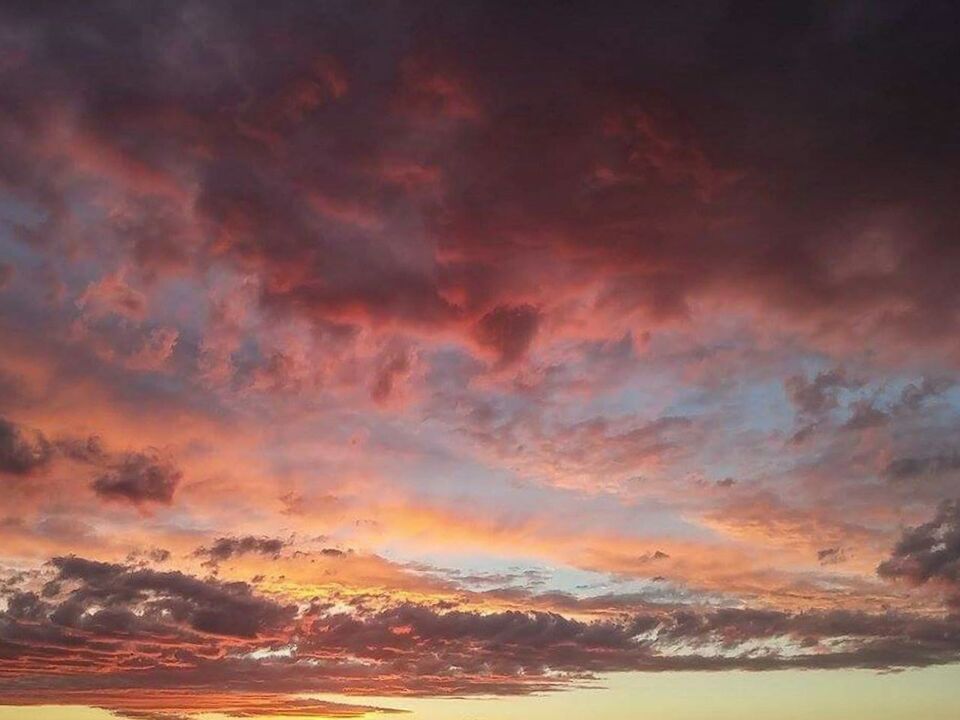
<point x="469" y="567"/>
<point x="493" y="492"/>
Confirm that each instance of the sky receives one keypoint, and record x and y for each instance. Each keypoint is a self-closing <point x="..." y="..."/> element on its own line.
<point x="479" y="360"/>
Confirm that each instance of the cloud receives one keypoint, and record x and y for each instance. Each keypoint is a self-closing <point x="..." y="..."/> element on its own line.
<point x="112" y="294"/>
<point x="530" y="281"/>
<point x="819" y="395"/>
<point x="627" y="199"/>
<point x="914" y="395"/>
<point x="89" y="450"/>
<point x="228" y="638"/>
<point x="929" y="553"/>
<point x="173" y="602"/>
<point x="224" y="548"/>
<point x="393" y="366"/>
<point x="139" y="478"/>
<point x="22" y="451"/>
<point x="508" y="331"/>
<point x="595" y="451"/>
<point x="865" y="416"/>
<point x="913" y="468"/>
<point x="831" y="556"/>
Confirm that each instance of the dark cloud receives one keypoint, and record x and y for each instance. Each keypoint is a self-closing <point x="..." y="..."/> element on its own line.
<point x="139" y="478"/>
<point x="914" y="395"/>
<point x="392" y="366"/>
<point x="534" y="643"/>
<point x="159" y="555"/>
<point x="929" y="552"/>
<point x="22" y="451"/>
<point x="814" y="397"/>
<point x="393" y="170"/>
<point x="88" y="450"/>
<point x="865" y="415"/>
<point x="831" y="556"/>
<point x="508" y="331"/>
<point x="912" y="468"/>
<point x="224" y="548"/>
<point x="170" y="599"/>
<point x="176" y="630"/>
<point x="653" y="557"/>
<point x="25" y="606"/>
<point x="156" y="555"/>
<point x="803" y="434"/>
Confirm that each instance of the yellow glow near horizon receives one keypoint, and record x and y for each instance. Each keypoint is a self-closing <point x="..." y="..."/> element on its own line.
<point x="930" y="694"/>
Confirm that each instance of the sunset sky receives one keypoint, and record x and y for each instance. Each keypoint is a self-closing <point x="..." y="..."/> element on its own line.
<point x="479" y="360"/>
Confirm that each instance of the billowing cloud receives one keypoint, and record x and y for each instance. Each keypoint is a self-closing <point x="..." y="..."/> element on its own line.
<point x="508" y="331"/>
<point x="448" y="350"/>
<point x="139" y="629"/>
<point x="22" y="451"/>
<point x="139" y="479"/>
<point x="929" y="552"/>
<point x="114" y="590"/>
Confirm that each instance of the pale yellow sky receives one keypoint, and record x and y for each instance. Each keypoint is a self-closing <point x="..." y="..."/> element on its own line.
<point x="928" y="694"/>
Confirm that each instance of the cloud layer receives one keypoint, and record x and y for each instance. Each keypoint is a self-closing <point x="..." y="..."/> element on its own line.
<point x="430" y="350"/>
